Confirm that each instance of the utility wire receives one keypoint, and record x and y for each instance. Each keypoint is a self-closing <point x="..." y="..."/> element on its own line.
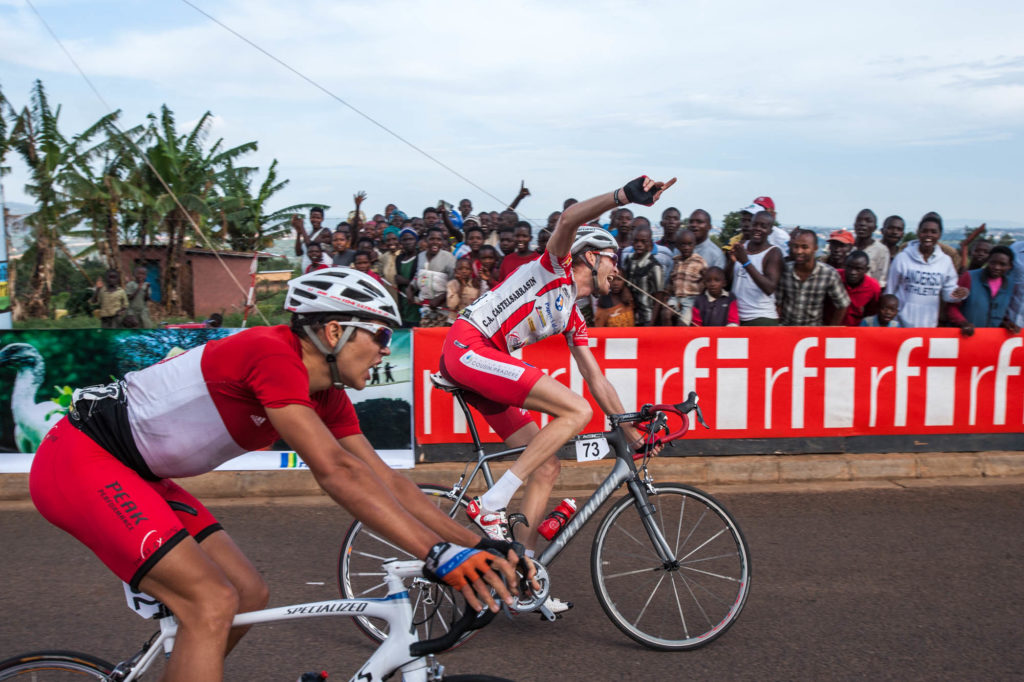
<point x="338" y="99"/>
<point x="145" y="159"/>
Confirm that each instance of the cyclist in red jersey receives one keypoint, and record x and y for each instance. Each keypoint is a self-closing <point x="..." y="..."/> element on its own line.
<point x="103" y="472"/>
<point x="536" y="301"/>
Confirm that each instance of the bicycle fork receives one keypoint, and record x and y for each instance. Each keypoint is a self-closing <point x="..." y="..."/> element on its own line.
<point x="647" y="511"/>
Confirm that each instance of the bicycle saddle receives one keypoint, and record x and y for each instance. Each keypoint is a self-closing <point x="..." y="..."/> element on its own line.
<point x="444" y="384"/>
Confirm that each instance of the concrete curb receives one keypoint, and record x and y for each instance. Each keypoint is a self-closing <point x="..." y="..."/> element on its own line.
<point x="763" y="471"/>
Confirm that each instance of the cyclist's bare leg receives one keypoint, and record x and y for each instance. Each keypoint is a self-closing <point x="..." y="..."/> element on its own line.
<point x="570" y="414"/>
<point x="253" y="594"/>
<point x="204" y="601"/>
<point x="538" y="487"/>
<point x="539" y="465"/>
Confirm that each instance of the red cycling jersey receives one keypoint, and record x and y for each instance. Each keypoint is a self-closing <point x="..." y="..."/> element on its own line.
<point x="98" y="473"/>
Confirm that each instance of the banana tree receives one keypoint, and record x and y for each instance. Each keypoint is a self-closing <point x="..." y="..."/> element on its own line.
<point x="182" y="187"/>
<point x="245" y="219"/>
<point x="97" y="187"/>
<point x="47" y="153"/>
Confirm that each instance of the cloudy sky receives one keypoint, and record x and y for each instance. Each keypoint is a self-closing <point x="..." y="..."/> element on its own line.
<point x="903" y="107"/>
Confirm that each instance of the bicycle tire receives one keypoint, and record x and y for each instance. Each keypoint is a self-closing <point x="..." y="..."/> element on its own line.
<point x="57" y="665"/>
<point x="435" y="606"/>
<point x="679" y="606"/>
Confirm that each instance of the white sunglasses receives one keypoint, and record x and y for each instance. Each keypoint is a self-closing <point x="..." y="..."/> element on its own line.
<point x="381" y="332"/>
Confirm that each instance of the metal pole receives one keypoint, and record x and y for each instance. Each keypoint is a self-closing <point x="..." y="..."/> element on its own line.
<point x="6" y="319"/>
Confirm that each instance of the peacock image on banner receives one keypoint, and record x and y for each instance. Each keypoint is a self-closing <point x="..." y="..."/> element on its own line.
<point x="39" y="369"/>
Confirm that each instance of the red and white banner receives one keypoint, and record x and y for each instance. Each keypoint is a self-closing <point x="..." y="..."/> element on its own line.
<point x="776" y="382"/>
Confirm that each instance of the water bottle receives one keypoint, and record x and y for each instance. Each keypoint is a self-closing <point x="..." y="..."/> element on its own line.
<point x="313" y="677"/>
<point x="554" y="521"/>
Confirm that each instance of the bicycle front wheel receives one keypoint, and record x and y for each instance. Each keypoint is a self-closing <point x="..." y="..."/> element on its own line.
<point x="47" y="666"/>
<point x="681" y="604"/>
<point x="360" y="576"/>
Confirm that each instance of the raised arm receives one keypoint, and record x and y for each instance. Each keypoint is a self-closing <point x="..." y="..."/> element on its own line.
<point x="357" y="223"/>
<point x="523" y="193"/>
<point x="642" y="190"/>
<point x="300" y="234"/>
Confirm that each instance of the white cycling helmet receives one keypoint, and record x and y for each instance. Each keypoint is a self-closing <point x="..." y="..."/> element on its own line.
<point x="590" y="238"/>
<point x="344" y="291"/>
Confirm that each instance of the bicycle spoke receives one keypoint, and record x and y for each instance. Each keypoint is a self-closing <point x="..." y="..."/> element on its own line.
<point x="383" y="541"/>
<point x="679" y="607"/>
<point x="633" y="538"/>
<point x="694" y="529"/>
<point x="709" y="573"/>
<point x="373" y="588"/>
<point x="695" y="600"/>
<point x="703" y="543"/>
<point x="629" y="573"/>
<point x="648" y="602"/>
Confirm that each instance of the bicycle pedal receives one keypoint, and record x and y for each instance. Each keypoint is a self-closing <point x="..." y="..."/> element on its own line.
<point x="545" y="614"/>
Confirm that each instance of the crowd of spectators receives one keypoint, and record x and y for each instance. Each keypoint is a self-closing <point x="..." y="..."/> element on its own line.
<point x="675" y="273"/>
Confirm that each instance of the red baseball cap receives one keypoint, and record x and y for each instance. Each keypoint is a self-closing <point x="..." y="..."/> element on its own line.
<point x="844" y="236"/>
<point x="766" y="202"/>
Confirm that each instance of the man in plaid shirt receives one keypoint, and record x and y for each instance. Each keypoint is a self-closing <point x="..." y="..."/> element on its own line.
<point x="804" y="284"/>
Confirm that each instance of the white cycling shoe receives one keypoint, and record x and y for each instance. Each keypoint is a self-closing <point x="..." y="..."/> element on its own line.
<point x="557" y="606"/>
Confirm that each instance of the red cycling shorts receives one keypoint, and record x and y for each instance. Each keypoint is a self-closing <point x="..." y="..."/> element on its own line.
<point x="495" y="383"/>
<point x="128" y="522"/>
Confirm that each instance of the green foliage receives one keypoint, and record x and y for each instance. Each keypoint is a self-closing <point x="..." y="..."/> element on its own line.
<point x="385" y="422"/>
<point x="97" y="184"/>
<point x="730" y="228"/>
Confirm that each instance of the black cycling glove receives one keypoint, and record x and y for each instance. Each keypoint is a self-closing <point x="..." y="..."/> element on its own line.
<point x="636" y="194"/>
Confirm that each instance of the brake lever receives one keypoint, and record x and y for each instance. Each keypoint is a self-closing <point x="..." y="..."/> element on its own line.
<point x="700" y="418"/>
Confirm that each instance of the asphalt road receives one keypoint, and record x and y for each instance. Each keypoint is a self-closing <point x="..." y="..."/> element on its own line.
<point x="919" y="583"/>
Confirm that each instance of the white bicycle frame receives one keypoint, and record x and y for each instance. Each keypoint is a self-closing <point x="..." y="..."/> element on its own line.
<point x="396" y="608"/>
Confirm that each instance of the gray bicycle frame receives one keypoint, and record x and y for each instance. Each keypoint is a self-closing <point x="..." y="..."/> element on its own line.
<point x="623" y="471"/>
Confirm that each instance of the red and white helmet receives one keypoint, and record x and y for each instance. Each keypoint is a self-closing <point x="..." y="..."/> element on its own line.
<point x="341" y="290"/>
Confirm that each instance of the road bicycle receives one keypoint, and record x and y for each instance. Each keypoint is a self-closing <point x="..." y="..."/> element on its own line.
<point x="403" y="651"/>
<point x="669" y="564"/>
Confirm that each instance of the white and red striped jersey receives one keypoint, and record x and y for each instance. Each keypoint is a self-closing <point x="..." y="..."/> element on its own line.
<point x="536" y="301"/>
<point x="190" y="413"/>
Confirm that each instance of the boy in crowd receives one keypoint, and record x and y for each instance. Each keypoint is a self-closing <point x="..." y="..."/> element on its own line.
<point x="840" y="244"/>
<point x="686" y="281"/>
<point x="878" y="255"/>
<point x="343" y="255"/>
<point x="715" y="307"/>
<point x="990" y="289"/>
<point x="700" y="225"/>
<point x="861" y="287"/>
<point x="506" y="239"/>
<point x="893" y="228"/>
<point x="888" y="313"/>
<point x="644" y="272"/>
<point x="521" y="255"/>
<point x="317" y="258"/>
<point x="487" y="267"/>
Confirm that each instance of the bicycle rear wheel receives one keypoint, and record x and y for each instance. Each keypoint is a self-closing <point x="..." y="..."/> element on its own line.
<point x="678" y="605"/>
<point x="44" y="666"/>
<point x="360" y="576"/>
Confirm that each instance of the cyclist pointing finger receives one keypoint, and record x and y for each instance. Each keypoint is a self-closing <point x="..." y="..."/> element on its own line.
<point x="536" y="301"/>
